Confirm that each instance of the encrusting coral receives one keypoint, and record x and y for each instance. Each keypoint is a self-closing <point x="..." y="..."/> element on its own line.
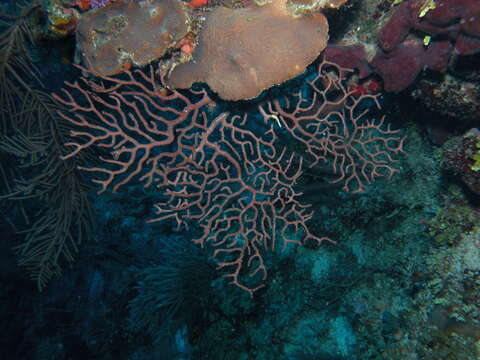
<point x="242" y="52"/>
<point x="126" y="33"/>
<point x="238" y="52"/>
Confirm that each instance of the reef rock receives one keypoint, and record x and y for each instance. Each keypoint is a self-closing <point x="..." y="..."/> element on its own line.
<point x="461" y="155"/>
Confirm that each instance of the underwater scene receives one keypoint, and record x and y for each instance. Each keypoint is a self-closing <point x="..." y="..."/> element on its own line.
<point x="240" y="179"/>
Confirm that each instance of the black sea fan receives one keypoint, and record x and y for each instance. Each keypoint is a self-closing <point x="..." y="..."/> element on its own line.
<point x="173" y="293"/>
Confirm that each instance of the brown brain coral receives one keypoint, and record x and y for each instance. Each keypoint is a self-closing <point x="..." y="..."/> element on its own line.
<point x="129" y="32"/>
<point x="243" y="51"/>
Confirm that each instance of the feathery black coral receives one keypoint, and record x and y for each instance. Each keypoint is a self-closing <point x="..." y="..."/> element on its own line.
<point x="32" y="134"/>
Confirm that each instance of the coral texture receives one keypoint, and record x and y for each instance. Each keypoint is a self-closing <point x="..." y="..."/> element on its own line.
<point x="460" y="155"/>
<point x="242" y="52"/>
<point x="459" y="20"/>
<point x="454" y="28"/>
<point x="302" y="7"/>
<point x="111" y="38"/>
<point x="231" y="177"/>
<point x="414" y="39"/>
<point x="352" y="57"/>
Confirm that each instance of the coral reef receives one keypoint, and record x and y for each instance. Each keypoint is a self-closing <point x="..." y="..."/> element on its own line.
<point x="244" y="51"/>
<point x="235" y="183"/>
<point x="452" y="96"/>
<point x="459" y="20"/>
<point x="397" y="275"/>
<point x="452" y="221"/>
<point x="303" y="7"/>
<point x="460" y="156"/>
<point x="60" y="18"/>
<point x="35" y="182"/>
<point x="109" y="38"/>
<point x="450" y="27"/>
<point x="400" y="67"/>
<point x="433" y="42"/>
<point x="352" y="57"/>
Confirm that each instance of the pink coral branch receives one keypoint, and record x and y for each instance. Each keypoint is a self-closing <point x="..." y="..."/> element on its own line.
<point x="235" y="184"/>
<point x="334" y="129"/>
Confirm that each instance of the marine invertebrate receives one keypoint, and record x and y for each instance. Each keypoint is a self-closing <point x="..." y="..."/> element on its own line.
<point x="460" y="157"/>
<point x="400" y="67"/>
<point x="334" y="129"/>
<point x="302" y="7"/>
<point x="351" y="57"/>
<point x="228" y="59"/>
<point x="236" y="184"/>
<point x="173" y="292"/>
<point x="60" y="20"/>
<point x="459" y="20"/>
<point x="419" y="35"/>
<point x="32" y="134"/>
<point x="111" y="38"/>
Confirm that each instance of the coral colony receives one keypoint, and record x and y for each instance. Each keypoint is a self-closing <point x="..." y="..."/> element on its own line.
<point x="232" y="177"/>
<point x="451" y="28"/>
<point x="321" y="156"/>
<point x="236" y="183"/>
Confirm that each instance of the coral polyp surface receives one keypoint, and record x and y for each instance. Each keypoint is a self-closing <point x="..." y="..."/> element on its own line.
<point x="111" y="38"/>
<point x="242" y="52"/>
